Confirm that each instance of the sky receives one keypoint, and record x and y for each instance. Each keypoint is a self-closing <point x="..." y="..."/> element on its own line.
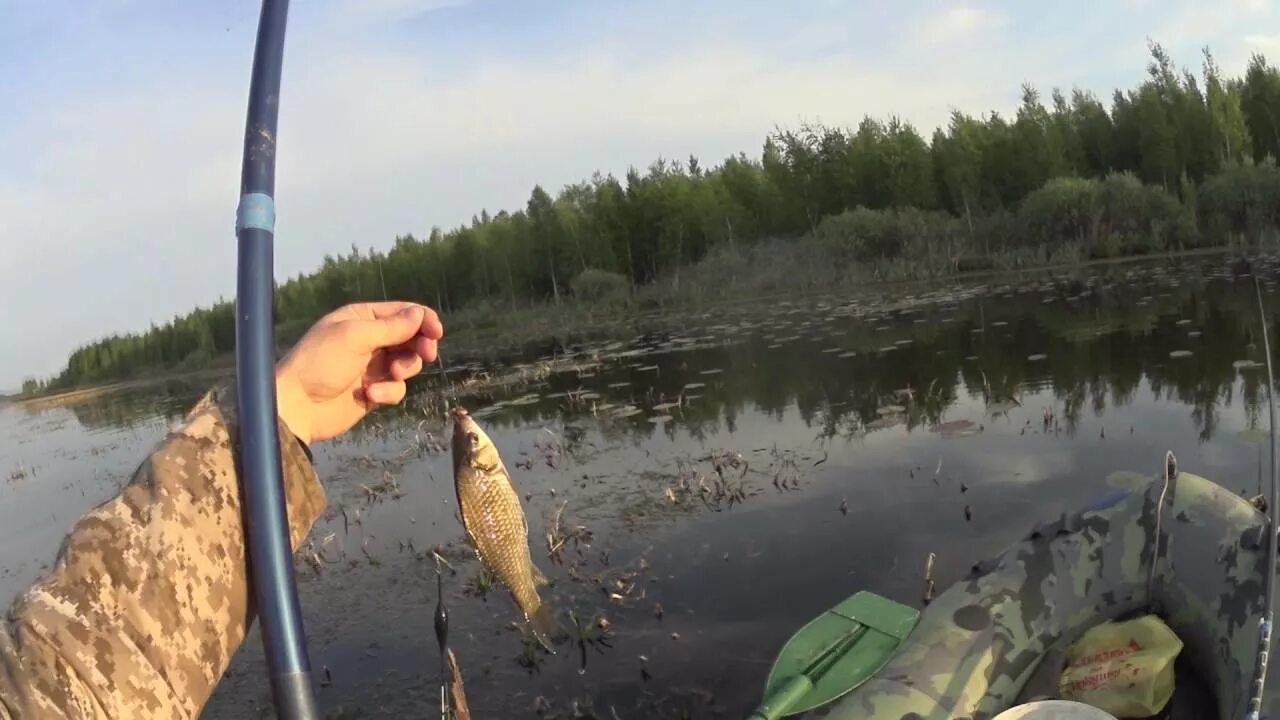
<point x="122" y="120"/>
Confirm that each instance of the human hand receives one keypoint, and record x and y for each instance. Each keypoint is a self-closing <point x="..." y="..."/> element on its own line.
<point x="351" y="361"/>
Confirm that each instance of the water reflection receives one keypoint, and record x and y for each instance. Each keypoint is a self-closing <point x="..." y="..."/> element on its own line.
<point x="1092" y="341"/>
<point x="120" y="409"/>
<point x="1092" y="345"/>
<point x="871" y="433"/>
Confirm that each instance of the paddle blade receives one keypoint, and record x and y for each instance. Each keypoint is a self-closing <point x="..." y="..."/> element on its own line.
<point x="835" y="654"/>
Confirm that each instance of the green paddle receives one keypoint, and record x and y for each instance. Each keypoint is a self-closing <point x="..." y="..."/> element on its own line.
<point x="835" y="653"/>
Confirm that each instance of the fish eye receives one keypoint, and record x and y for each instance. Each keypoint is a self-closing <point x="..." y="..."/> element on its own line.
<point x="475" y="439"/>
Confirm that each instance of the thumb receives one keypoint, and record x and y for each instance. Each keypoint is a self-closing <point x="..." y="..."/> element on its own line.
<point x="370" y="335"/>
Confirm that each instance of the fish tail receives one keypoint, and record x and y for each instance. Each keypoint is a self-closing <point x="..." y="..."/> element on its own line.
<point x="545" y="628"/>
<point x="539" y="578"/>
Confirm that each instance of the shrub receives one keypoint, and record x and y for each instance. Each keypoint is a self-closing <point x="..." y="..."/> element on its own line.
<point x="863" y="235"/>
<point x="600" y="286"/>
<point x="1114" y="216"/>
<point x="1242" y="202"/>
<point x="1063" y="210"/>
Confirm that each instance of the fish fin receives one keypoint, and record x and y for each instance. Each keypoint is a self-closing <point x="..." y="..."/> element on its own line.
<point x="545" y="628"/>
<point x="539" y="578"/>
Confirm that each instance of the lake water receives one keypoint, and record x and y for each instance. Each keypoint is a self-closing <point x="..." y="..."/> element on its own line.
<point x="854" y="436"/>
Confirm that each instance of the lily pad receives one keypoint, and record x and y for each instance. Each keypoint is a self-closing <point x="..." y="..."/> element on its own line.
<point x="1001" y="406"/>
<point x="626" y="411"/>
<point x="1184" y="321"/>
<point x="884" y="410"/>
<point x="956" y="428"/>
<point x="622" y="384"/>
<point x="1254" y="436"/>
<point x="1247" y="365"/>
<point x="712" y="371"/>
<point x="647" y="368"/>
<point x="884" y="422"/>
<point x="1125" y="480"/>
<point x="1181" y="354"/>
<point x="659" y="419"/>
<point x="847" y="354"/>
<point x="1036" y="357"/>
<point x="694" y="385"/>
<point x="666" y="406"/>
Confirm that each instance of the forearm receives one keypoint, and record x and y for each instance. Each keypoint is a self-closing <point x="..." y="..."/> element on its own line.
<point x="149" y="596"/>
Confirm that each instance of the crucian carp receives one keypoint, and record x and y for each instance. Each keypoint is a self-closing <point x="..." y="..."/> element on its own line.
<point x="495" y="524"/>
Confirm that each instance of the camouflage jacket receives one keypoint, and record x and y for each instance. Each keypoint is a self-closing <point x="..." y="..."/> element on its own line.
<point x="149" y="596"/>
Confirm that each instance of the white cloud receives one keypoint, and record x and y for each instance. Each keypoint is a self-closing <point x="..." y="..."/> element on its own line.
<point x="123" y="210"/>
<point x="128" y="214"/>
<point x="957" y="24"/>
<point x="1268" y="45"/>
<point x="1187" y="26"/>
<point x="385" y="11"/>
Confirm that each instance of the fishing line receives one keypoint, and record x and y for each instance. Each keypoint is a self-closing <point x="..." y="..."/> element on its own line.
<point x="1169" y="470"/>
<point x="1265" y="624"/>
<point x="444" y="381"/>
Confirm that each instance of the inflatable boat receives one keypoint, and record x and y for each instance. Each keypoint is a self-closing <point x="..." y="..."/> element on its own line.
<point x="1179" y="546"/>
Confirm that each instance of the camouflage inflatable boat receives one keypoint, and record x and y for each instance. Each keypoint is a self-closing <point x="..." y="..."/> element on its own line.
<point x="976" y="646"/>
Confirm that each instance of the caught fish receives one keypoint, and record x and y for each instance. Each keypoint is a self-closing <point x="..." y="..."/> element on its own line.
<point x="495" y="523"/>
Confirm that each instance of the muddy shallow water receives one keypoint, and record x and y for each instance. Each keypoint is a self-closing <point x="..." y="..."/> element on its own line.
<point x="719" y="479"/>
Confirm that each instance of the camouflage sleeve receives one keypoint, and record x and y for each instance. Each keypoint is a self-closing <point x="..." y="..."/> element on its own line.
<point x="149" y="596"/>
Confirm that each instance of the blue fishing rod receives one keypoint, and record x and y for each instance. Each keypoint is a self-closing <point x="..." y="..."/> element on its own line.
<point x="266" y="519"/>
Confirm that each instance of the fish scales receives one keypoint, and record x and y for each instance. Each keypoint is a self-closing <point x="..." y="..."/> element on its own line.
<point x="495" y="523"/>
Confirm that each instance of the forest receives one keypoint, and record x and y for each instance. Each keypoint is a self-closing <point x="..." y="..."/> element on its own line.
<point x="1184" y="160"/>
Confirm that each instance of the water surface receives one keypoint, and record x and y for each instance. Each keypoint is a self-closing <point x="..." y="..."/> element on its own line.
<point x="729" y="474"/>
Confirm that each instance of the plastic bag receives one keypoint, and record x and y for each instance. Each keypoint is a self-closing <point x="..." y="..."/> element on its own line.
<point x="1124" y="668"/>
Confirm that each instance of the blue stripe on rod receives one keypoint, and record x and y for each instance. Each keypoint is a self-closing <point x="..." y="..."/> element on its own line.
<point x="257" y="210"/>
<point x="266" y="517"/>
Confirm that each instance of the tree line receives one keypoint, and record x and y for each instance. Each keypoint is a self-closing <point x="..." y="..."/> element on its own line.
<point x="1182" y="160"/>
<point x="1103" y="350"/>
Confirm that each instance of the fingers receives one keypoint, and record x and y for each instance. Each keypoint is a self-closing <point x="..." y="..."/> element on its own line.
<point x="425" y="348"/>
<point x="388" y="392"/>
<point x="399" y="363"/>
<point x="431" y="326"/>
<point x="392" y="328"/>
<point x="405" y="365"/>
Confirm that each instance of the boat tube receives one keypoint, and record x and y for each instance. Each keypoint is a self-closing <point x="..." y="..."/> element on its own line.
<point x="979" y="642"/>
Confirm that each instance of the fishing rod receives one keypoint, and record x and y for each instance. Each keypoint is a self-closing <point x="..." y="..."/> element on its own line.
<point x="442" y="639"/>
<point x="1273" y="505"/>
<point x="266" y="518"/>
